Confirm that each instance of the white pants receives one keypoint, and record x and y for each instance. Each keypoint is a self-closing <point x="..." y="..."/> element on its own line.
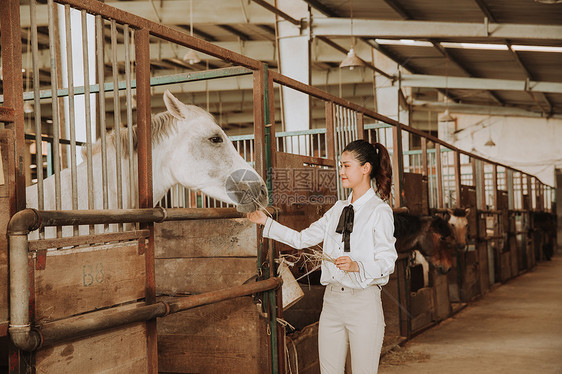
<point x="355" y="318"/>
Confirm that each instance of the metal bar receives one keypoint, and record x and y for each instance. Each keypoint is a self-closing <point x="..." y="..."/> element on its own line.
<point x="278" y="12"/>
<point x="425" y="171"/>
<point x="397" y="165"/>
<point x="55" y="105"/>
<point x="495" y="186"/>
<point x="7" y="114"/>
<point x="457" y="166"/>
<point x="154" y="82"/>
<point x="88" y="113"/>
<point x="37" y="106"/>
<point x="330" y="136"/>
<point x="71" y="113"/>
<point x="439" y="175"/>
<point x="131" y="203"/>
<point x="101" y="103"/>
<point x="116" y="117"/>
<point x="259" y="125"/>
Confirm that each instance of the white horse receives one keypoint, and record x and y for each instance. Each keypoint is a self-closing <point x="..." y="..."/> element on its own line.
<point x="188" y="148"/>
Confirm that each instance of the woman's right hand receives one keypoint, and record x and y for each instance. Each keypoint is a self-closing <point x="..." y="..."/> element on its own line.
<point x="258" y="217"/>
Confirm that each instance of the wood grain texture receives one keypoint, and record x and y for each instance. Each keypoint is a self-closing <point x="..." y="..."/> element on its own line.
<point x="121" y="350"/>
<point x="227" y="337"/>
<point x="197" y="275"/>
<point x="205" y="238"/>
<point x="81" y="280"/>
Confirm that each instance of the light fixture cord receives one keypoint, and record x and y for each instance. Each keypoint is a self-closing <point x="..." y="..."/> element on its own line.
<point x="191" y="17"/>
<point x="351" y="17"/>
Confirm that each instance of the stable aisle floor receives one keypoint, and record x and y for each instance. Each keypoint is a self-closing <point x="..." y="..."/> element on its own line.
<point x="515" y="328"/>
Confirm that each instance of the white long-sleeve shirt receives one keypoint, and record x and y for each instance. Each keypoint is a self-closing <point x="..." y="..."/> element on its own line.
<point x="371" y="242"/>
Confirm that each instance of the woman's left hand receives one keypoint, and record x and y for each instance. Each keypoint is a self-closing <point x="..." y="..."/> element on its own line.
<point x="346" y="263"/>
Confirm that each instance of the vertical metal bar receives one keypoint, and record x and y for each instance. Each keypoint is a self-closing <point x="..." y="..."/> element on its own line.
<point x="509" y="183"/>
<point x="439" y="176"/>
<point x="87" y="104"/>
<point x="495" y="186"/>
<point x="142" y="54"/>
<point x="424" y="157"/>
<point x="116" y="117"/>
<point x="259" y="125"/>
<point x="72" y="121"/>
<point x="37" y="106"/>
<point x="330" y="143"/>
<point x="457" y="165"/>
<point x="397" y="164"/>
<point x="132" y="193"/>
<point x="55" y="115"/>
<point x="101" y="102"/>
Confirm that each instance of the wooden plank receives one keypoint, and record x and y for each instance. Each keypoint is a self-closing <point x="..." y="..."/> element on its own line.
<point x="80" y="280"/>
<point x="421" y="308"/>
<point x="483" y="267"/>
<point x="442" y="304"/>
<point x="205" y="238"/>
<point x="121" y="350"/>
<point x="415" y="194"/>
<point x="227" y="337"/>
<point x="197" y="275"/>
<point x="35" y="245"/>
<point x="302" y="347"/>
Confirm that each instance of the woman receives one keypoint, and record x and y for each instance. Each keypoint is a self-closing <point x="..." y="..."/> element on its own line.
<point x="357" y="234"/>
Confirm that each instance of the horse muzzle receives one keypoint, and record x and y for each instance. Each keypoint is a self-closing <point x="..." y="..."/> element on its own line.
<point x="247" y="190"/>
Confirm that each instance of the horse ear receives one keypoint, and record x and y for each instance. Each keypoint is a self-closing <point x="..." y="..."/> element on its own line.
<point x="173" y="105"/>
<point x="450" y="211"/>
<point x="467" y="210"/>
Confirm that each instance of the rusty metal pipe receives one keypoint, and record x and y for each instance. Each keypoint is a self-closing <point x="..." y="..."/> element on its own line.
<point x="110" y="318"/>
<point x="24" y="221"/>
<point x="190" y="302"/>
<point x="20" y="328"/>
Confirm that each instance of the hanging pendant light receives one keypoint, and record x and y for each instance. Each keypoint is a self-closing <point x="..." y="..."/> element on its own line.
<point x="351" y="61"/>
<point x="191" y="56"/>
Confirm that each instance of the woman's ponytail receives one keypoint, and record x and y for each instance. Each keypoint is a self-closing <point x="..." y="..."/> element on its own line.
<point x="381" y="166"/>
<point x="383" y="173"/>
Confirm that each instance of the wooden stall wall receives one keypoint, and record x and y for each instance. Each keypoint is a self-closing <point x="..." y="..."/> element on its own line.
<point x="71" y="282"/>
<point x="199" y="256"/>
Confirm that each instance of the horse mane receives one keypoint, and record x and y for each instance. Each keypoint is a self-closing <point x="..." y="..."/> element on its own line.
<point x="162" y="125"/>
<point x="459" y="212"/>
<point x="406" y="224"/>
<point x="441" y="226"/>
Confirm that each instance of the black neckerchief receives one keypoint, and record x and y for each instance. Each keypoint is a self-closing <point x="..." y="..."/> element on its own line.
<point x="345" y="225"/>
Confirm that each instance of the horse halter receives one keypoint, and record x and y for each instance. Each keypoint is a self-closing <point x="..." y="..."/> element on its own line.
<point x="345" y="226"/>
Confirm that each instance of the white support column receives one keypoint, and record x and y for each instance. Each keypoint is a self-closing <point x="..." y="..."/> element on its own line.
<point x="294" y="60"/>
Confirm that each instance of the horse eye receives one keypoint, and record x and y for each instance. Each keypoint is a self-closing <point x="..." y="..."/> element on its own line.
<point x="216" y="139"/>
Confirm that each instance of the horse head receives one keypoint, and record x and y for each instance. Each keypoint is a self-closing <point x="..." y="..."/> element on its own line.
<point x="458" y="222"/>
<point x="199" y="156"/>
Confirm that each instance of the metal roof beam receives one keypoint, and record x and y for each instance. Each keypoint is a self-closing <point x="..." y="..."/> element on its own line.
<point x="436" y="81"/>
<point x="398" y="9"/>
<point x="529" y="75"/>
<point x="484" y="8"/>
<point x="176" y="12"/>
<point x="432" y="106"/>
<point x="437" y="30"/>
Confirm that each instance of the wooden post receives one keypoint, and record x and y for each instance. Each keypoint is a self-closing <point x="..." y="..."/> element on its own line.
<point x="144" y="135"/>
<point x="360" y="125"/>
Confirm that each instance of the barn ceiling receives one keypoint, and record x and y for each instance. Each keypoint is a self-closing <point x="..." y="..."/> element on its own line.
<point x="480" y="53"/>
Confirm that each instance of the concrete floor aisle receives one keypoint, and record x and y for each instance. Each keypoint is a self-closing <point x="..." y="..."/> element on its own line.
<point x="515" y="328"/>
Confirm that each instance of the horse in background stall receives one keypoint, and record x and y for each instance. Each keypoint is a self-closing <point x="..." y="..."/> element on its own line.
<point x="431" y="240"/>
<point x="188" y="148"/>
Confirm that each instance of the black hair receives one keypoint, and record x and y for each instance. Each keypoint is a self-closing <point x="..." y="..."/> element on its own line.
<point x="377" y="156"/>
